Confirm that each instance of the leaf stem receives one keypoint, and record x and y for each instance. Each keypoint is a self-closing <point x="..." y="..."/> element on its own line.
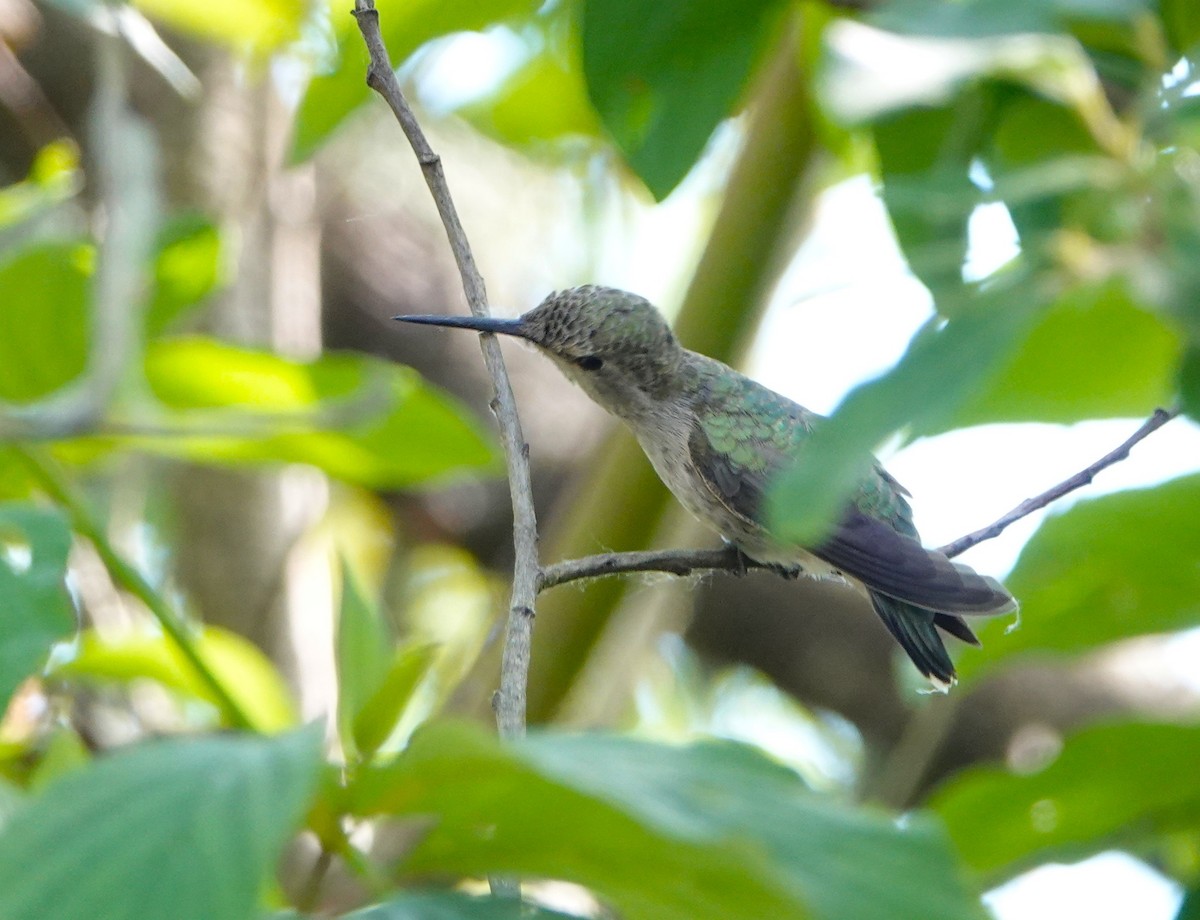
<point x="52" y="481"/>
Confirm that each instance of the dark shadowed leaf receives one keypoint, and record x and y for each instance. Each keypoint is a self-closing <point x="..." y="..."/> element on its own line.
<point x="1111" y="786"/>
<point x="663" y="75"/>
<point x="34" y="609"/>
<point x="735" y="834"/>
<point x="187" y="829"/>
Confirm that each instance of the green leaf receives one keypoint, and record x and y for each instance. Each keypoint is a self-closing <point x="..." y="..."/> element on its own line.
<point x="259" y="26"/>
<point x="363" y="649"/>
<point x="941" y="372"/>
<point x="664" y="75"/>
<point x="452" y="905"/>
<point x="1113" y="567"/>
<point x="405" y="27"/>
<point x="380" y="713"/>
<point x="54" y="178"/>
<point x="1189" y="383"/>
<point x="187" y="268"/>
<point x="544" y="101"/>
<point x="1181" y="19"/>
<point x="247" y="674"/>
<point x="44" y="323"/>
<point x="187" y="829"/>
<point x="983" y="18"/>
<point x="737" y="835"/>
<point x="1111" y="786"/>
<point x="358" y="418"/>
<point x="1095" y="354"/>
<point x="34" y="607"/>
<point x="925" y="157"/>
<point x="1190" y="908"/>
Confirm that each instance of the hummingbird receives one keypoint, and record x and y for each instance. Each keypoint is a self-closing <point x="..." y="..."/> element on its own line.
<point x="716" y="438"/>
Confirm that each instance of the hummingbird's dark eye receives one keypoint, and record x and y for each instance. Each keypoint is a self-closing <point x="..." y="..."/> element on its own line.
<point x="591" y="362"/>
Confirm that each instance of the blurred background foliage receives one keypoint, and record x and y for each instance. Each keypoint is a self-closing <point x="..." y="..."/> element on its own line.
<point x="233" y="496"/>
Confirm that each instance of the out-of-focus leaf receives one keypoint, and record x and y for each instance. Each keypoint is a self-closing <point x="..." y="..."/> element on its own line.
<point x="10" y="800"/>
<point x="34" y="609"/>
<point x="1181" y="19"/>
<point x="737" y="835"/>
<point x="64" y="753"/>
<point x="54" y="178"/>
<point x="925" y="157"/>
<point x="1110" y="785"/>
<point x="358" y="418"/>
<point x="187" y="829"/>
<point x="1189" y="383"/>
<point x="363" y="649"/>
<point x="44" y="323"/>
<point x="1116" y="566"/>
<point x="405" y="27"/>
<point x="380" y="713"/>
<point x="1190" y="908"/>
<point x="981" y="18"/>
<point x="1095" y="354"/>
<point x="452" y="905"/>
<point x="259" y="26"/>
<point x="545" y="100"/>
<point x="663" y="75"/>
<point x="941" y="371"/>
<point x="245" y="672"/>
<point x="186" y="270"/>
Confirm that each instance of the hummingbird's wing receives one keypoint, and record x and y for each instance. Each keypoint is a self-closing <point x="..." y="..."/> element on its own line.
<point x="735" y="454"/>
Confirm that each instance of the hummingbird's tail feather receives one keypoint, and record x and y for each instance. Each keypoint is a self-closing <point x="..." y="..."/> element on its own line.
<point x="916" y="629"/>
<point x="957" y="627"/>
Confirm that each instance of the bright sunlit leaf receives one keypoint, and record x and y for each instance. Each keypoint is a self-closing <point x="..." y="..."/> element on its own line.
<point x="44" y="322"/>
<point x="246" y="673"/>
<point x="664" y="75"/>
<point x="255" y="25"/>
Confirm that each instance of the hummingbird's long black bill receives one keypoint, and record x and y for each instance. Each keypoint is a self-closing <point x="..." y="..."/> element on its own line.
<point x="477" y="323"/>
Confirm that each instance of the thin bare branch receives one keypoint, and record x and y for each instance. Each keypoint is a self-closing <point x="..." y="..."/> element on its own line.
<point x="1053" y="494"/>
<point x="689" y="562"/>
<point x="514" y="673"/>
<point x="680" y="562"/>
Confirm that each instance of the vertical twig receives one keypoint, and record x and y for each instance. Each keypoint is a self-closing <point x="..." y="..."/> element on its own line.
<point x="514" y="672"/>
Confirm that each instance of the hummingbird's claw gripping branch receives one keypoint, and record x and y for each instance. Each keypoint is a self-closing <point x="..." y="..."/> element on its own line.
<point x="514" y="674"/>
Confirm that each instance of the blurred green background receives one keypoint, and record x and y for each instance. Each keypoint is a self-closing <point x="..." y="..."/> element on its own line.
<point x="234" y="496"/>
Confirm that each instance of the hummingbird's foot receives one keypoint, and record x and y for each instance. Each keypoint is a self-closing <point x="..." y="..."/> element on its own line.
<point x="790" y="572"/>
<point x="742" y="562"/>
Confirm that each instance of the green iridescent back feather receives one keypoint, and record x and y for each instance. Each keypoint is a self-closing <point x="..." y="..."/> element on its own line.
<point x="757" y="431"/>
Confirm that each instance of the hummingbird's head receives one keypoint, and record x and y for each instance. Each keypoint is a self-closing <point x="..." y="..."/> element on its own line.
<point x="614" y="344"/>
